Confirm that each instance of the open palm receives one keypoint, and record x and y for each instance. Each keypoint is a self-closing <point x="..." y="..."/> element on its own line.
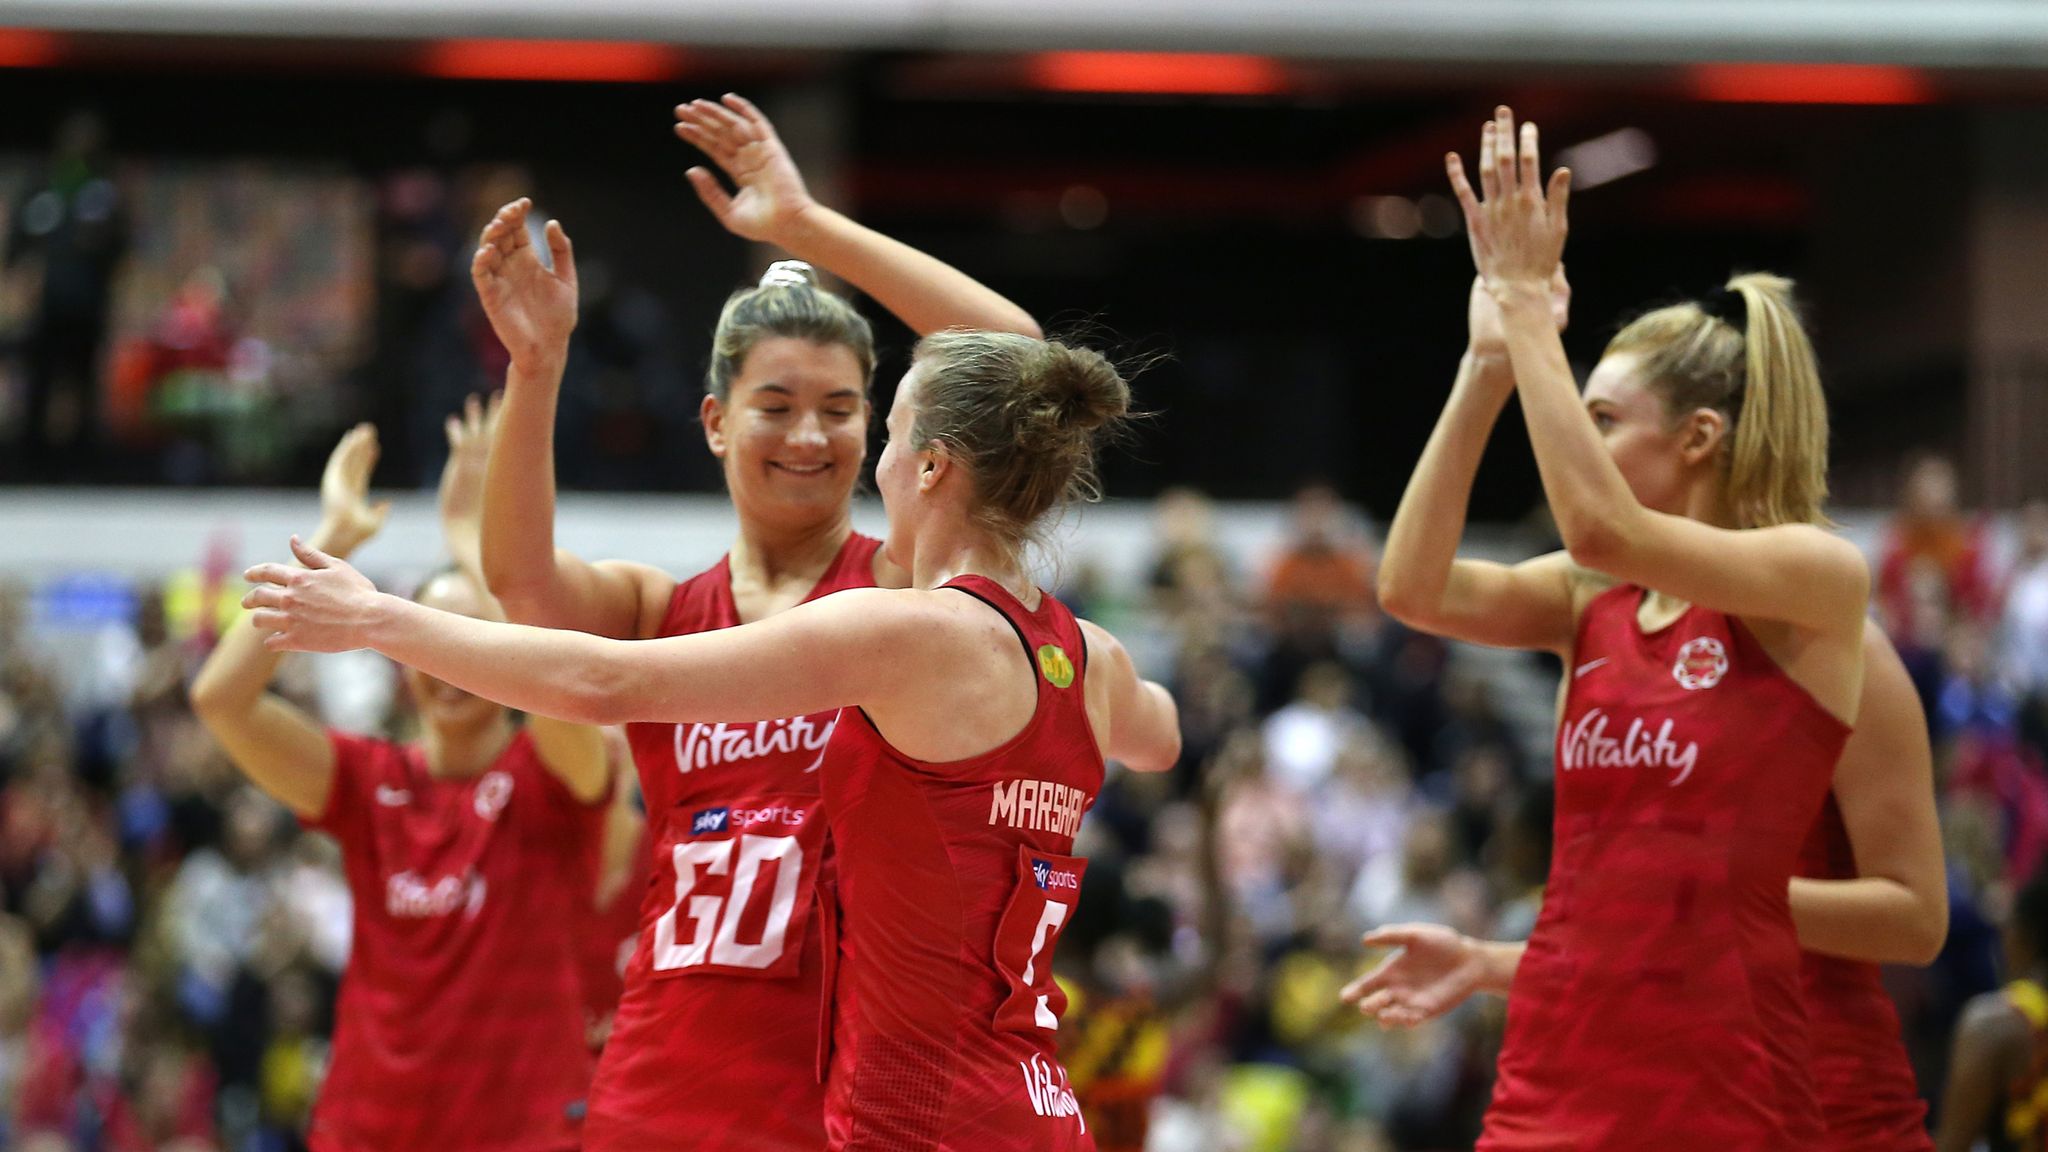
<point x="741" y="141"/>
<point x="1431" y="971"/>
<point x="346" y="514"/>
<point x="1517" y="222"/>
<point x="531" y="306"/>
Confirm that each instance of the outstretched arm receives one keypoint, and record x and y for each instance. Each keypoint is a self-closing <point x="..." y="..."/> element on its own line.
<point x="1795" y="573"/>
<point x="1895" y="911"/>
<point x="1144" y="723"/>
<point x="772" y="206"/>
<point x="276" y="744"/>
<point x="813" y="658"/>
<point x="572" y="753"/>
<point x="1422" y="582"/>
<point x="532" y="308"/>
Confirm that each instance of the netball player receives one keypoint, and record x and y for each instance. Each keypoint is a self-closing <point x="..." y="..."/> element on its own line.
<point x="460" y="1025"/>
<point x="786" y="412"/>
<point x="1877" y="840"/>
<point x="978" y="713"/>
<point x="1998" y="1076"/>
<point x="1712" y="635"/>
<point x="1871" y="889"/>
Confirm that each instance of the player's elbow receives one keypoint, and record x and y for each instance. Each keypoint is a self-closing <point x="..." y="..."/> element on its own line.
<point x="215" y="701"/>
<point x="1159" y="751"/>
<point x="520" y="591"/>
<point x="1594" y="540"/>
<point x="1405" y="597"/>
<point x="1925" y="937"/>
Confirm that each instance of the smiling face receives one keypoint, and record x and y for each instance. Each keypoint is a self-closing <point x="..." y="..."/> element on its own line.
<point x="1657" y="455"/>
<point x="442" y="705"/>
<point x="792" y="432"/>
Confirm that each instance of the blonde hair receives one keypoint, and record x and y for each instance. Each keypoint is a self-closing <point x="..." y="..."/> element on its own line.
<point x="1744" y="353"/>
<point x="1024" y="415"/>
<point x="787" y="302"/>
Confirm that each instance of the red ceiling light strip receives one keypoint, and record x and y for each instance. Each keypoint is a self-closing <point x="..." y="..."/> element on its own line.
<point x="587" y="60"/>
<point x="28" y="48"/>
<point x="1808" y="84"/>
<point x="1163" y="73"/>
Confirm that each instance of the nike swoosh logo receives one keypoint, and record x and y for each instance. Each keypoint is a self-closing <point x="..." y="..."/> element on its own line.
<point x="1588" y="666"/>
<point x="393" y="797"/>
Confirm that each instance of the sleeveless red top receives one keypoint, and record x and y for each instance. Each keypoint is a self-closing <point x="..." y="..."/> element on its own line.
<point x="716" y="1043"/>
<point x="1658" y="1003"/>
<point x="1868" y="1096"/>
<point x="956" y="880"/>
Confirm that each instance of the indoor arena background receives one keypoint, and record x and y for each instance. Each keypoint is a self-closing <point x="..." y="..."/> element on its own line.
<point x="1249" y="198"/>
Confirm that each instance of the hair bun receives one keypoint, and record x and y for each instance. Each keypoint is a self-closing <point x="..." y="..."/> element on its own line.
<point x="789" y="274"/>
<point x="1082" y="385"/>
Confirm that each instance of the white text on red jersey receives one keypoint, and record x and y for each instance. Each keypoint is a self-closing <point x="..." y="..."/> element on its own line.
<point x="1038" y="806"/>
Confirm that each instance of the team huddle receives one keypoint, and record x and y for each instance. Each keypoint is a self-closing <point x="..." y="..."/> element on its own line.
<point x="863" y="763"/>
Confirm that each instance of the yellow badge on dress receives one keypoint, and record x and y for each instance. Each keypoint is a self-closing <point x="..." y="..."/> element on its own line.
<point x="1052" y="660"/>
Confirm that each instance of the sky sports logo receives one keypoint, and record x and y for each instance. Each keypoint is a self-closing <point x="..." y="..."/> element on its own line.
<point x="1051" y="879"/>
<point x="710" y="821"/>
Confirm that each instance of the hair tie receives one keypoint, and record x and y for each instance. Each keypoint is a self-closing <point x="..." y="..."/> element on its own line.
<point x="1728" y="306"/>
<point x="789" y="274"/>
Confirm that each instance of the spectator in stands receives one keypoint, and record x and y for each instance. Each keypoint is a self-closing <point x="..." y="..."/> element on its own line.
<point x="1933" y="556"/>
<point x="1304" y="738"/>
<point x="2023" y="639"/>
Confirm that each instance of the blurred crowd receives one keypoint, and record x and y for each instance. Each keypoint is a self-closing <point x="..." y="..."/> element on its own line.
<point x="170" y="942"/>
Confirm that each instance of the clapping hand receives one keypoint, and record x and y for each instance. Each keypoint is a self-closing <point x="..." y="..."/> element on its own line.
<point x="1517" y="225"/>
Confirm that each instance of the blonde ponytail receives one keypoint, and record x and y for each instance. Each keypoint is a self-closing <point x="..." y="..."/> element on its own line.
<point x="1744" y="353"/>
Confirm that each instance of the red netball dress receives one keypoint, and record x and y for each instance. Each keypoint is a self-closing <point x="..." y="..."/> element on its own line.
<point x="1868" y="1097"/>
<point x="1658" y="1004"/>
<point x="460" y="1024"/>
<point x="956" y="880"/>
<point x="716" y="1043"/>
<point x="605" y="945"/>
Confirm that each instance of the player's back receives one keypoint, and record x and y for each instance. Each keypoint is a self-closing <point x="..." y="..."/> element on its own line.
<point x="718" y="1037"/>
<point x="1658" y="1003"/>
<point x="1868" y="1097"/>
<point x="956" y="880"/>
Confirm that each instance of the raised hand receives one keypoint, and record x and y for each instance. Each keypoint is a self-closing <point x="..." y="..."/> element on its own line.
<point x="531" y="306"/>
<point x="347" y="518"/>
<point x="1517" y="229"/>
<point x="741" y="141"/>
<point x="462" y="478"/>
<point x="325" y="606"/>
<point x="1485" y="335"/>
<point x="1432" y="970"/>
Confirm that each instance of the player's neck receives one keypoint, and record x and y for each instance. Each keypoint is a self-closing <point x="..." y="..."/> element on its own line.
<point x="945" y="551"/>
<point x="458" y="753"/>
<point x="767" y="556"/>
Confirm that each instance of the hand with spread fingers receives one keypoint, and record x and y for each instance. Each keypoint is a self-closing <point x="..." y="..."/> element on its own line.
<point x="325" y="606"/>
<point x="347" y="518"/>
<point x="462" y="478"/>
<point x="736" y="136"/>
<point x="1517" y="224"/>
<point x="1431" y="971"/>
<point x="531" y="306"/>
